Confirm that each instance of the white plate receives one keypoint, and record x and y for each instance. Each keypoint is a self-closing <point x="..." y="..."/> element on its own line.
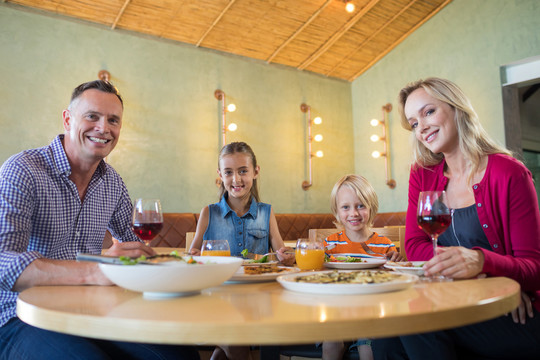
<point x="239" y="275"/>
<point x="414" y="270"/>
<point x="289" y="283"/>
<point x="367" y="263"/>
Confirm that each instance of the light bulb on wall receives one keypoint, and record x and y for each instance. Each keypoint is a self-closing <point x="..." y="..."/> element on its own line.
<point x="319" y="154"/>
<point x="386" y="142"/>
<point x="231" y="108"/>
<point x="317" y="120"/>
<point x="232" y="127"/>
<point x="310" y="138"/>
<point x="318" y="138"/>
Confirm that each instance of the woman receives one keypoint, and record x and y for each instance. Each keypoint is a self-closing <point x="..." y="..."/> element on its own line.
<point x="495" y="229"/>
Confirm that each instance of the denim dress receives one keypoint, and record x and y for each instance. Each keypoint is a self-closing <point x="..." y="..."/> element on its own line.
<point x="251" y="231"/>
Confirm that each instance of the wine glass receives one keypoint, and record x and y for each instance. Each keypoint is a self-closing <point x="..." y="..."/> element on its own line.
<point x="434" y="216"/>
<point x="309" y="254"/>
<point x="147" y="219"/>
<point x="215" y="248"/>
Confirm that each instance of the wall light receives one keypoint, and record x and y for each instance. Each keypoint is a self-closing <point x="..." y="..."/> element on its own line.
<point x="317" y="121"/>
<point x="386" y="141"/>
<point x="220" y="95"/>
<point x="104" y="75"/>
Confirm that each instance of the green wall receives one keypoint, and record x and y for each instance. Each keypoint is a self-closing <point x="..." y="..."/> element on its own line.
<point x="170" y="139"/>
<point x="171" y="133"/>
<point x="467" y="42"/>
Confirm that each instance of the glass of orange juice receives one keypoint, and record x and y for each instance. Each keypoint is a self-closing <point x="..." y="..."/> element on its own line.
<point x="215" y="248"/>
<point x="309" y="254"/>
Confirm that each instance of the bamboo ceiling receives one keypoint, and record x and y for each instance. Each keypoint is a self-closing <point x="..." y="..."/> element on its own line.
<point x="312" y="35"/>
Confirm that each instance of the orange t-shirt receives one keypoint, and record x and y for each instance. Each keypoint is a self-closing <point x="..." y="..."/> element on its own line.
<point x="376" y="243"/>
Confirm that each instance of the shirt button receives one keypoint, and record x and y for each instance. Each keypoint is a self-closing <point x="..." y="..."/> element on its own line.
<point x="239" y="221"/>
<point x="479" y="204"/>
<point x="239" y="233"/>
<point x="495" y="246"/>
<point x="485" y="226"/>
<point x="475" y="187"/>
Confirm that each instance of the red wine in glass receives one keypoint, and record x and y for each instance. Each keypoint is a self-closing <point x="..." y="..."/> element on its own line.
<point x="434" y="224"/>
<point x="147" y="219"/>
<point x="147" y="231"/>
<point x="434" y="216"/>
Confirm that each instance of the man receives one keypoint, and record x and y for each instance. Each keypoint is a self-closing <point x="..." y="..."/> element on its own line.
<point x="59" y="200"/>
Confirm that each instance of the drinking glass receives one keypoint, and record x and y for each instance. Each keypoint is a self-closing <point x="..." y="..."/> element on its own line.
<point x="309" y="254"/>
<point x="147" y="219"/>
<point x="215" y="248"/>
<point x="434" y="216"/>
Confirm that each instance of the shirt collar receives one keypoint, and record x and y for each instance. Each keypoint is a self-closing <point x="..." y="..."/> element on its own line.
<point x="226" y="209"/>
<point x="62" y="162"/>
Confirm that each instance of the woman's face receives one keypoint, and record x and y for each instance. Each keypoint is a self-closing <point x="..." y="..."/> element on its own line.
<point x="432" y="122"/>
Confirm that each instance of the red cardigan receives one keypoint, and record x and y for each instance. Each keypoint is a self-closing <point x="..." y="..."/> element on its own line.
<point x="507" y="207"/>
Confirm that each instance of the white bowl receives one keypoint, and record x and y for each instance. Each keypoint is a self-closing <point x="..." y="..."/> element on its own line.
<point x="173" y="278"/>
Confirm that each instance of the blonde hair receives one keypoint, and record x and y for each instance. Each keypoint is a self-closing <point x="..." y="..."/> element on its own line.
<point x="474" y="141"/>
<point x="365" y="192"/>
<point x="239" y="147"/>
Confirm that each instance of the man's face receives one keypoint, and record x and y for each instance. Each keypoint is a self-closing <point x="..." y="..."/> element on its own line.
<point x="92" y="123"/>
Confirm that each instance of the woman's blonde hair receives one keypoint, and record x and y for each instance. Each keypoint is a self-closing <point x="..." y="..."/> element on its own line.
<point x="365" y="192"/>
<point x="239" y="147"/>
<point x="474" y="142"/>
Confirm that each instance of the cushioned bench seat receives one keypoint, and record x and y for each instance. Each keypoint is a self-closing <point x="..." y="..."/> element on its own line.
<point x="291" y="226"/>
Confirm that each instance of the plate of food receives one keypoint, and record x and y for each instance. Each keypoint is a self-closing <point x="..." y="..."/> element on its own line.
<point x="352" y="261"/>
<point x="261" y="272"/>
<point x="406" y="267"/>
<point x="351" y="282"/>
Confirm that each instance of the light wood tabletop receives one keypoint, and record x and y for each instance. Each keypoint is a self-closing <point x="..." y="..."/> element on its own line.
<point x="263" y="313"/>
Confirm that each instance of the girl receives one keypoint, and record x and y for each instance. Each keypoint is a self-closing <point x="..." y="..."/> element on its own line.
<point x="354" y="203"/>
<point x="239" y="217"/>
<point x="495" y="228"/>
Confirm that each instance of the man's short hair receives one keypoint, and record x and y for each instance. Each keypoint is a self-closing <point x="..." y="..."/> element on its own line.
<point x="100" y="85"/>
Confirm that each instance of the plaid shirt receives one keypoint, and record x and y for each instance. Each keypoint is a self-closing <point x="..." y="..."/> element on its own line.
<point x="42" y="216"/>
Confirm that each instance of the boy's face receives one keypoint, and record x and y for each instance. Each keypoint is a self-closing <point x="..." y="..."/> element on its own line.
<point x="352" y="214"/>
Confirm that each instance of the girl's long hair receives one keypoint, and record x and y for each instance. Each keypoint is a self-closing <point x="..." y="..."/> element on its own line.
<point x="239" y="147"/>
<point x="474" y="141"/>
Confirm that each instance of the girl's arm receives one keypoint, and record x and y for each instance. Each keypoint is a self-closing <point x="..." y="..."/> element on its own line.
<point x="277" y="242"/>
<point x="202" y="225"/>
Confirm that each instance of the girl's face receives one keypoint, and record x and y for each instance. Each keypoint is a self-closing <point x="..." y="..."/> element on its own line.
<point x="432" y="122"/>
<point x="352" y="214"/>
<point x="237" y="174"/>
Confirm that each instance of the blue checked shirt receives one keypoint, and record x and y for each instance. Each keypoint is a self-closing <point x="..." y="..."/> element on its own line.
<point x="42" y="216"/>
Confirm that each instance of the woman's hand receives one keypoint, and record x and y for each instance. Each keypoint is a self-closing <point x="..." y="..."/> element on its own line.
<point x="286" y="258"/>
<point x="455" y="262"/>
<point x="525" y="308"/>
<point x="394" y="256"/>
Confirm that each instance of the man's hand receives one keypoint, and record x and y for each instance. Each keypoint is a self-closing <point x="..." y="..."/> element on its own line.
<point x="132" y="249"/>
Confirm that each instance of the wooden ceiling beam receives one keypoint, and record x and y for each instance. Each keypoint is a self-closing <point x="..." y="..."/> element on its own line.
<point x="315" y="14"/>
<point x="338" y="35"/>
<point x="215" y="22"/>
<point x="120" y="13"/>
<point x="391" y="47"/>
<point x="368" y="39"/>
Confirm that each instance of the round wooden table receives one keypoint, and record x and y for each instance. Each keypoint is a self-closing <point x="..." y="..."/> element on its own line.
<point x="263" y="313"/>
